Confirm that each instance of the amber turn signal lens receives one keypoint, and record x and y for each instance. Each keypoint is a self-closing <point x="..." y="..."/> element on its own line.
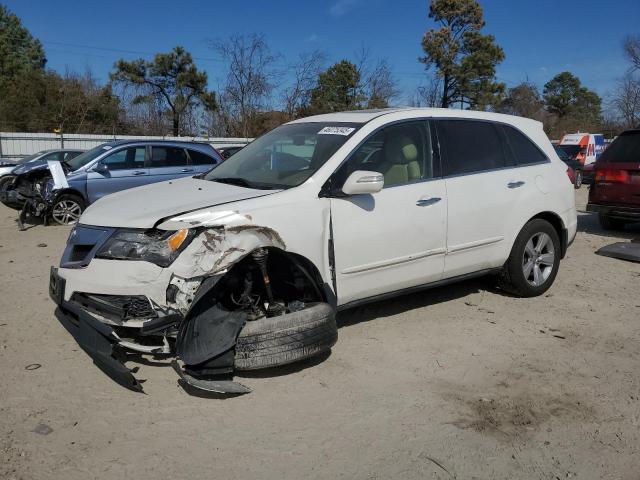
<point x="175" y="240"/>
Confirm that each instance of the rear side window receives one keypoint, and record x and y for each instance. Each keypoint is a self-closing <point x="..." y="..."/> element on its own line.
<point x="524" y="150"/>
<point x="624" y="149"/>
<point x="470" y="146"/>
<point x="199" y="158"/>
<point x="168" y="157"/>
<point x="127" y="158"/>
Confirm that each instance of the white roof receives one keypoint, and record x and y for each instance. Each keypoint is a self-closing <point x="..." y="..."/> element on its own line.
<point x="364" y="116"/>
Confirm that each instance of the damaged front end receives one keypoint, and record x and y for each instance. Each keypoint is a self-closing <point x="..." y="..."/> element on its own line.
<point x="33" y="194"/>
<point x="233" y="299"/>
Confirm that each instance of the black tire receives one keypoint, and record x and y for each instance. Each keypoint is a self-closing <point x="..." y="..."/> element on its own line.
<point x="5" y="182"/>
<point x="276" y="341"/>
<point x="69" y="198"/>
<point x="4" y="185"/>
<point x="513" y="279"/>
<point x="608" y="223"/>
<point x="578" y="181"/>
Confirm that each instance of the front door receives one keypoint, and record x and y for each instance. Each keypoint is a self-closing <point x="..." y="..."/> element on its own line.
<point x="125" y="169"/>
<point x="394" y="239"/>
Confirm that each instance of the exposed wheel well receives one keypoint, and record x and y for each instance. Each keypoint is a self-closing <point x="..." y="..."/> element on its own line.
<point x="290" y="277"/>
<point x="558" y="226"/>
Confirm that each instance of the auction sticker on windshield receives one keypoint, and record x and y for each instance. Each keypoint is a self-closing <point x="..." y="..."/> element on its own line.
<point x="336" y="131"/>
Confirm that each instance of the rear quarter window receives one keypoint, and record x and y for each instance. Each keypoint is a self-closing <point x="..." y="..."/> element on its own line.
<point x="525" y="152"/>
<point x="199" y="158"/>
<point x="624" y="149"/>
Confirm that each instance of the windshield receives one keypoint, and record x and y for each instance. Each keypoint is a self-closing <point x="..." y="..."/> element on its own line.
<point x="284" y="157"/>
<point x="84" y="158"/>
<point x="624" y="149"/>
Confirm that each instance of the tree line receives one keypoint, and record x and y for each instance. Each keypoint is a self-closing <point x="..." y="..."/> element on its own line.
<point x="170" y="94"/>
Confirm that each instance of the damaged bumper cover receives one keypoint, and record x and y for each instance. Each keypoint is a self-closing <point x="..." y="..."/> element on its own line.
<point x="107" y="349"/>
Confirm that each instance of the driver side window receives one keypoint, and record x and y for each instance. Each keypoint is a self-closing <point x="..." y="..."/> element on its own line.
<point x="401" y="152"/>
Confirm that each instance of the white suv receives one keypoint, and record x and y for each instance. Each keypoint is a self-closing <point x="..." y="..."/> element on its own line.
<point x="245" y="266"/>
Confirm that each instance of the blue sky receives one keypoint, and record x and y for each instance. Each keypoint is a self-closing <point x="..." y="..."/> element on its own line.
<point x="540" y="37"/>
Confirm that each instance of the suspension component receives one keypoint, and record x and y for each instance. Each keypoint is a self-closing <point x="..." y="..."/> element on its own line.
<point x="274" y="308"/>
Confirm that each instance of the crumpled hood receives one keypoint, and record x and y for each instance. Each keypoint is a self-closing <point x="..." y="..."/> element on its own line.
<point x="30" y="167"/>
<point x="143" y="207"/>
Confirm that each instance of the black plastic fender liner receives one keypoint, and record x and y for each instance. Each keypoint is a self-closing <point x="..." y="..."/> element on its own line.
<point x="100" y="342"/>
<point x="208" y="330"/>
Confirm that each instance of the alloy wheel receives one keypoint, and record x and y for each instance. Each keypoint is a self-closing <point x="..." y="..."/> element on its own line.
<point x="66" y="212"/>
<point x="538" y="259"/>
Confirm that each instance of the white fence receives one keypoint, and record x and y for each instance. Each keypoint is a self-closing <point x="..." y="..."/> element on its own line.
<point x="18" y="145"/>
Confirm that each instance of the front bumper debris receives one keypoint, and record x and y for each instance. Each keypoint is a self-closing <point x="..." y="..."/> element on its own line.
<point x="107" y="350"/>
<point x="629" y="251"/>
<point x="216" y="386"/>
<point x="100" y="342"/>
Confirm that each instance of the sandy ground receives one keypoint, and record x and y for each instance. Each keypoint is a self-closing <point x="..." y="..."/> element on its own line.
<point x="457" y="382"/>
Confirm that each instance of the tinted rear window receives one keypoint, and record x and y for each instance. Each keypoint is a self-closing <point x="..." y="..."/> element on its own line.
<point x="470" y="146"/>
<point x="168" y="157"/>
<point x="624" y="149"/>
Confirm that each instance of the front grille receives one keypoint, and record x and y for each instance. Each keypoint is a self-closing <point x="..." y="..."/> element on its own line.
<point x="116" y="307"/>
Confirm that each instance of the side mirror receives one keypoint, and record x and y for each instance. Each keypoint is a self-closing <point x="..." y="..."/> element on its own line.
<point x="362" y="182"/>
<point x="101" y="168"/>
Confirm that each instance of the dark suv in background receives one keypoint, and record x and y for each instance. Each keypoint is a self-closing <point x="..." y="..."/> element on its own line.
<point x="615" y="192"/>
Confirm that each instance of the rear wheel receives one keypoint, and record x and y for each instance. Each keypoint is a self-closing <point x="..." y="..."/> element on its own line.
<point x="534" y="260"/>
<point x="67" y="209"/>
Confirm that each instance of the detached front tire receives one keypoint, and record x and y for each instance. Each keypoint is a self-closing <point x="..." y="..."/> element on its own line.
<point x="275" y="341"/>
<point x="534" y="260"/>
<point x="67" y="209"/>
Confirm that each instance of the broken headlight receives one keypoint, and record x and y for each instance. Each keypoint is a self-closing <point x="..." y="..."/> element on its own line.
<point x="160" y="247"/>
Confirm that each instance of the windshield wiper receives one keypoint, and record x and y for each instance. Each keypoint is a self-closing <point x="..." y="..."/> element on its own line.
<point x="241" y="182"/>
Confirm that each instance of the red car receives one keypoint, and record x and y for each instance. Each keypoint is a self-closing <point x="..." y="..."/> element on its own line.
<point x="615" y="192"/>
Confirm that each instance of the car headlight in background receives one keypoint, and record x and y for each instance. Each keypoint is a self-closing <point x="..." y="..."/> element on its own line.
<point x="160" y="247"/>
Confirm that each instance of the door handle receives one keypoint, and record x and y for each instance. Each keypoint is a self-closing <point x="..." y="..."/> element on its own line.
<point x="139" y="172"/>
<point x="185" y="170"/>
<point x="515" y="184"/>
<point x="425" y="202"/>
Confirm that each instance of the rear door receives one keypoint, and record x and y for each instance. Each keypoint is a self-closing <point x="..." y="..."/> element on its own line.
<point x="169" y="162"/>
<point x="617" y="174"/>
<point x="125" y="169"/>
<point x="483" y="191"/>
